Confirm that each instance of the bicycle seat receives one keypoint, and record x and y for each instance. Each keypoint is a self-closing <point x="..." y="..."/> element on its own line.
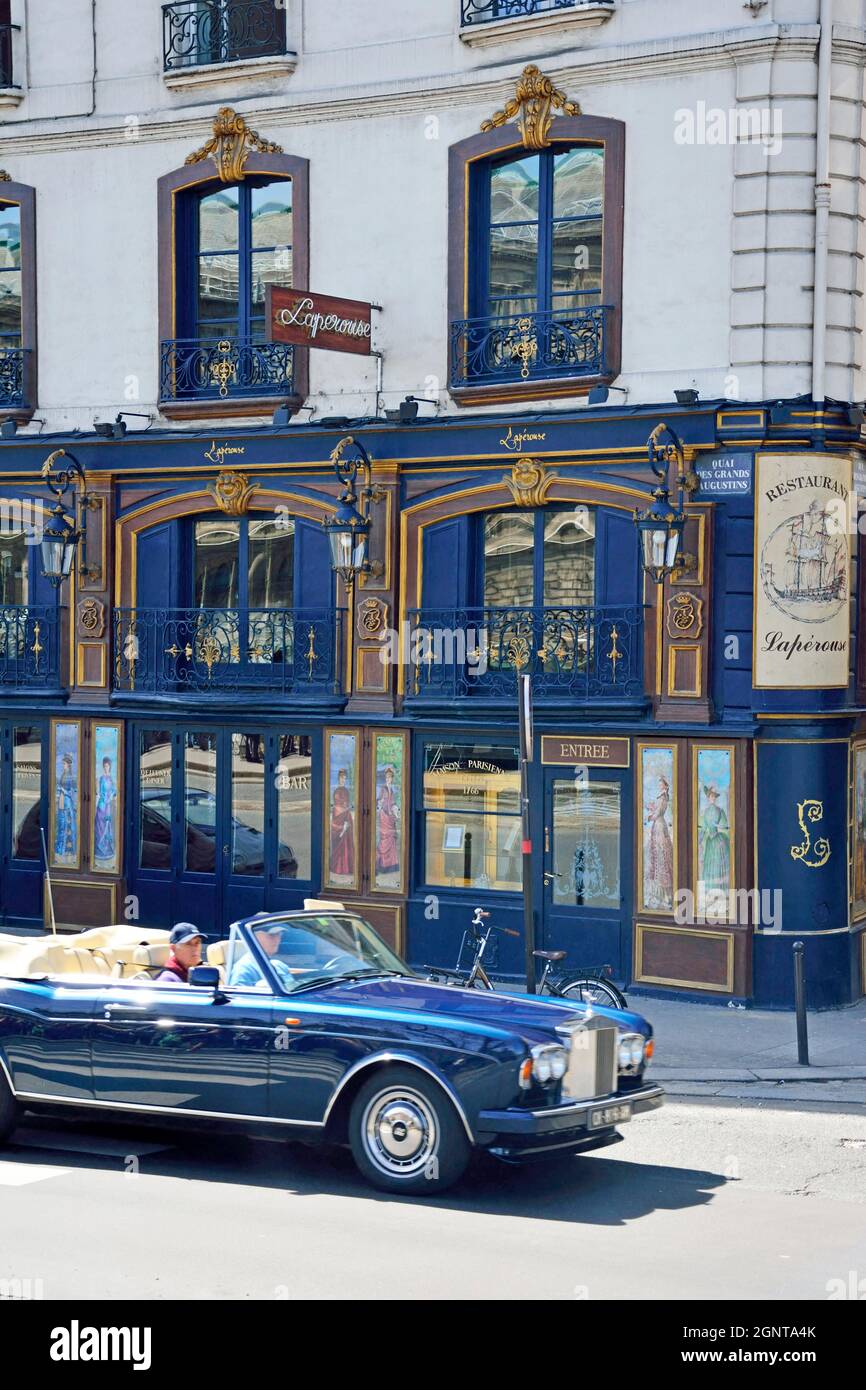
<point x="549" y="955"/>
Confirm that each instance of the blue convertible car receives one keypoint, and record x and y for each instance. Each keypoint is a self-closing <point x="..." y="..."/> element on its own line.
<point x="306" y="1023"/>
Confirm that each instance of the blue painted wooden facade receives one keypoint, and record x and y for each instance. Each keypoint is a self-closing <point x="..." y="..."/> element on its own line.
<point x="131" y="648"/>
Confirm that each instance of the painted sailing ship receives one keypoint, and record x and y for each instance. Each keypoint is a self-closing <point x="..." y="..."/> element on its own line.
<point x="815" y="569"/>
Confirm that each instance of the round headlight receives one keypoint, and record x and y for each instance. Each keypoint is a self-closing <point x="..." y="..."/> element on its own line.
<point x="542" y="1069"/>
<point x="558" y="1064"/>
<point x="631" y="1052"/>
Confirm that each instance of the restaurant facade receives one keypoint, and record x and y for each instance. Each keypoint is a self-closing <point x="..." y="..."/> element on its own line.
<point x="568" y="259"/>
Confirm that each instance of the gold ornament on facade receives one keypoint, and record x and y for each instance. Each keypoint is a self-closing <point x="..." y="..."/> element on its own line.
<point x="312" y="656"/>
<point x="614" y="655"/>
<point x="91" y="617"/>
<point x="223" y="370"/>
<point x="230" y="145"/>
<point x="685" y="616"/>
<point x="372" y="617"/>
<point x="532" y="101"/>
<point x="529" y="482"/>
<point x="37" y="649"/>
<point x="232" y="492"/>
<point x="811" y="811"/>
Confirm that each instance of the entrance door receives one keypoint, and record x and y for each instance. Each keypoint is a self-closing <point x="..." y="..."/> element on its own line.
<point x="219" y="824"/>
<point x="587" y="867"/>
<point x="22" y="814"/>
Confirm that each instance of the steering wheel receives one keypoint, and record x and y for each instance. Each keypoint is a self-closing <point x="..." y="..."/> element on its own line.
<point x="343" y="955"/>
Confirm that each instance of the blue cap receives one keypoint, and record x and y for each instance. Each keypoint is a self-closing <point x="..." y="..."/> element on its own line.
<point x="182" y="932"/>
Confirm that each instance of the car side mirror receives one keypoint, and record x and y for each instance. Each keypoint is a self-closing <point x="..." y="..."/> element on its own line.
<point x="207" y="977"/>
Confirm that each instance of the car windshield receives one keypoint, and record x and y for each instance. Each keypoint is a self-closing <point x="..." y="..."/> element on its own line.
<point x="306" y="952"/>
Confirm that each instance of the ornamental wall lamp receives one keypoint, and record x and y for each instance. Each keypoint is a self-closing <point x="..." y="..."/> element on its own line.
<point x="660" y="527"/>
<point x="348" y="527"/>
<point x="63" y="532"/>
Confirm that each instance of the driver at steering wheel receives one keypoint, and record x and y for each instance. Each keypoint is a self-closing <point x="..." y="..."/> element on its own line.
<point x="246" y="972"/>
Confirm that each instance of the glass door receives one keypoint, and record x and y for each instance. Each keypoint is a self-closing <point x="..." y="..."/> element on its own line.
<point x="22" y="817"/>
<point x="587" y="867"/>
<point x="223" y="824"/>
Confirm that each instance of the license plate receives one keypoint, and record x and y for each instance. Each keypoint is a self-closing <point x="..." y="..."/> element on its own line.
<point x="607" y="1115"/>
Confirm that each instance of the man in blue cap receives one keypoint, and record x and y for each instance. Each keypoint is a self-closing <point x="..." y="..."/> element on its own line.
<point x="185" y="941"/>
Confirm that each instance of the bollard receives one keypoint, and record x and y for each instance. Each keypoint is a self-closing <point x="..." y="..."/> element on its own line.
<point x="800" y="1003"/>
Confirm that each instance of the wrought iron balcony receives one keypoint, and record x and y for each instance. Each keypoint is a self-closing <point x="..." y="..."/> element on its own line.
<point x="193" y="368"/>
<point x="199" y="32"/>
<point x="589" y="655"/>
<point x="488" y="11"/>
<point x="14" y="364"/>
<point x="218" y="651"/>
<point x="529" y="347"/>
<point x="29" y="647"/>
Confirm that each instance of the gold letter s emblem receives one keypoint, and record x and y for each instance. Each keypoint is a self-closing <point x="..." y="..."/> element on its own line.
<point x="813" y="811"/>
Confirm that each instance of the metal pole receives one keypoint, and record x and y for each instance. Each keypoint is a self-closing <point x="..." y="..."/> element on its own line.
<point x="800" y="1002"/>
<point x="48" y="889"/>
<point x="525" y="692"/>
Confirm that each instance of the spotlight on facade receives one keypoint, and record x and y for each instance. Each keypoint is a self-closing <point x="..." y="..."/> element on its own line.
<point x="282" y="416"/>
<point x="690" y="397"/>
<point x="8" y="429"/>
<point x="348" y="528"/>
<point x="856" y="415"/>
<point x="600" y="395"/>
<point x="660" y="527"/>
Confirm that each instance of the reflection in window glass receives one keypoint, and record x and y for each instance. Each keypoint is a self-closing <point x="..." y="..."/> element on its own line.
<point x="14" y="571"/>
<point x="472" y="825"/>
<point x="586" y="843"/>
<point x="271" y="563"/>
<point x="199" y="796"/>
<point x="508" y="566"/>
<point x="154" y="782"/>
<point x="295" y="806"/>
<point x="217" y="558"/>
<point x="10" y="276"/>
<point x="569" y="558"/>
<point x="248" y="804"/>
<point x="26" y="793"/>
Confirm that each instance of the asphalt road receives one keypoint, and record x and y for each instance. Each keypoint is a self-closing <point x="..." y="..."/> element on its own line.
<point x="703" y="1200"/>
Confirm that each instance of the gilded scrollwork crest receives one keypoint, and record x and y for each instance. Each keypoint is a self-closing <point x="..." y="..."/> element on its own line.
<point x="528" y="482"/>
<point x="532" y="103"/>
<point x="232" y="492"/>
<point x="231" y="144"/>
<point x="372" y="618"/>
<point x="685" y="616"/>
<point x="91" y="618"/>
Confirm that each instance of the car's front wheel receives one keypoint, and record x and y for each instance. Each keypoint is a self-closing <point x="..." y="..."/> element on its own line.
<point x="10" y="1110"/>
<point x="405" y="1133"/>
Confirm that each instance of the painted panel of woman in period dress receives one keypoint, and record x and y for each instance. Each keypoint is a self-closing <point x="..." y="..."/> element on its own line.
<point x="714" y="839"/>
<point x="389" y="812"/>
<point x="342" y="819"/>
<point x="658" y="819"/>
<point x="65" y="824"/>
<point x="106" y="745"/>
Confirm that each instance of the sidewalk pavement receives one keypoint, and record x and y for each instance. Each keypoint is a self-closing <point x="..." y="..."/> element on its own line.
<point x="736" y="1052"/>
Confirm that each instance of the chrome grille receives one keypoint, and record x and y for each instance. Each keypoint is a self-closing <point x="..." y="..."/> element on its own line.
<point x="592" y="1062"/>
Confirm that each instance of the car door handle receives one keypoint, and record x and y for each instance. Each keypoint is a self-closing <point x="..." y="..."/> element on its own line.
<point x="124" y="1008"/>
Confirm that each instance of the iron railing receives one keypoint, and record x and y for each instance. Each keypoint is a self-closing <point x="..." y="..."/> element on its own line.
<point x="7" y="73"/>
<point x="29" y="647"/>
<point x="14" y="363"/>
<point x="586" y="654"/>
<point x="198" y="32"/>
<point x="193" y="367"/>
<point x="220" y="650"/>
<point x="529" y="347"/>
<point x="487" y="11"/>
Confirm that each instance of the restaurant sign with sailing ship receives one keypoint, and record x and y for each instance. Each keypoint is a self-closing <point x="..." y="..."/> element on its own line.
<point x="803" y="508"/>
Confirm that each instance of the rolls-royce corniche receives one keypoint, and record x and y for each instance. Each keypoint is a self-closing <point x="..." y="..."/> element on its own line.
<point x="307" y="1024"/>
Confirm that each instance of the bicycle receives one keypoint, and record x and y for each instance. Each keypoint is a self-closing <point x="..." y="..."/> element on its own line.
<point x="589" y="985"/>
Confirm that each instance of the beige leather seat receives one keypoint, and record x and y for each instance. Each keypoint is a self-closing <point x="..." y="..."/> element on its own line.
<point x="322" y="904"/>
<point x="216" y="954"/>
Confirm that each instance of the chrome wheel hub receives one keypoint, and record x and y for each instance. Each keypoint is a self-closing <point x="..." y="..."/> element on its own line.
<point x="400" y="1132"/>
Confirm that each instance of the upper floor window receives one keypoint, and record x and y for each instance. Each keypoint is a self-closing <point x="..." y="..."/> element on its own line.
<point x="243" y="242"/>
<point x="540" y="217"/>
<point x="221" y="243"/>
<point x="248" y="563"/>
<point x="6" y="32"/>
<point x="201" y="32"/>
<point x="517" y="17"/>
<point x="17" y="299"/>
<point x="535" y="266"/>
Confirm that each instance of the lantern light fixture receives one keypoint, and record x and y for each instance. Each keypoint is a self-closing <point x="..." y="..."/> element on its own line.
<point x="348" y="527"/>
<point x="63" y="532"/>
<point x="661" y="525"/>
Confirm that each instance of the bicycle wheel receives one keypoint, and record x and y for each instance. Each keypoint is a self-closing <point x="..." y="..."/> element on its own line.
<point x="590" y="990"/>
